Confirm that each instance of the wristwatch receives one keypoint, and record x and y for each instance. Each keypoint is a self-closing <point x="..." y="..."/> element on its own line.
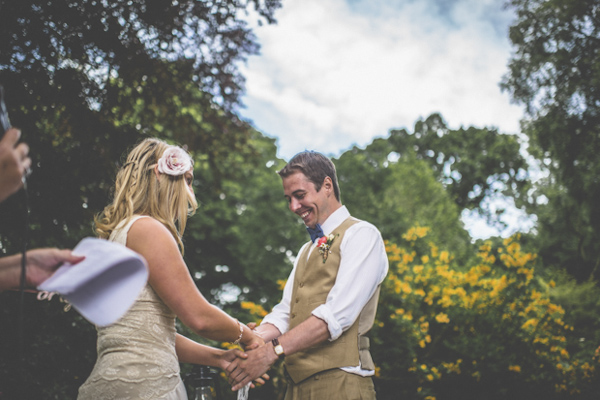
<point x="278" y="348"/>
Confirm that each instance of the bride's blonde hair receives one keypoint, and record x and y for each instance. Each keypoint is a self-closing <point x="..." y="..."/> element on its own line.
<point x="138" y="192"/>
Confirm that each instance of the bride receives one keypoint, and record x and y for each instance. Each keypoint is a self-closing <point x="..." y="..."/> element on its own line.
<point x="139" y="355"/>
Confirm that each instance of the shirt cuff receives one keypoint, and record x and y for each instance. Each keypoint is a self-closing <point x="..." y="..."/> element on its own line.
<point x="282" y="326"/>
<point x="335" y="329"/>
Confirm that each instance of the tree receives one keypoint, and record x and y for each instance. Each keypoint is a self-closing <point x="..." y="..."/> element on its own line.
<point x="468" y="165"/>
<point x="99" y="40"/>
<point x="85" y="81"/>
<point x="244" y="238"/>
<point x="473" y="163"/>
<point x="555" y="73"/>
<point x="396" y="195"/>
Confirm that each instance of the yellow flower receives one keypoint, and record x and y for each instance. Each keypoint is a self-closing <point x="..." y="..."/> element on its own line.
<point x="406" y="288"/>
<point x="530" y="322"/>
<point x="415" y="233"/>
<point x="514" y="368"/>
<point x="255" y="309"/>
<point x="281" y="283"/>
<point x="444" y="256"/>
<point x="486" y="247"/>
<point x="407" y="258"/>
<point x="442" y="318"/>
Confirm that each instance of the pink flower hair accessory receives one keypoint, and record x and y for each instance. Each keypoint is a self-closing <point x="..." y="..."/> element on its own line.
<point x="174" y="161"/>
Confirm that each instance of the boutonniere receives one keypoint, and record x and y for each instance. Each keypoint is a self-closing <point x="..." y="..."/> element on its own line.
<point x="324" y="245"/>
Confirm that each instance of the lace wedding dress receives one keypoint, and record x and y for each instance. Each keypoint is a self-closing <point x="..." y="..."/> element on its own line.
<point x="136" y="355"/>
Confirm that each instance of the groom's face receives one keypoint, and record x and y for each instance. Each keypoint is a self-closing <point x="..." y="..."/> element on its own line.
<point x="304" y="200"/>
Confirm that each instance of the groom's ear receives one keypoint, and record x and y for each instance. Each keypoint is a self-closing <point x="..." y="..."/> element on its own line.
<point x="327" y="185"/>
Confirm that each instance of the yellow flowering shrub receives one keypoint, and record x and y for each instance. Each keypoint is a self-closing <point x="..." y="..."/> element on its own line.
<point x="484" y="330"/>
<point x="256" y="310"/>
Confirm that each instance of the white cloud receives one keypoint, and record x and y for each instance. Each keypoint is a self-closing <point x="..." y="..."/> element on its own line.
<point x="338" y="73"/>
<point x="334" y="73"/>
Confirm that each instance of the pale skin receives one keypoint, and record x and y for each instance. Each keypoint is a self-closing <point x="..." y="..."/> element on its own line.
<point x="172" y="282"/>
<point x="313" y="207"/>
<point x="14" y="161"/>
<point x="41" y="264"/>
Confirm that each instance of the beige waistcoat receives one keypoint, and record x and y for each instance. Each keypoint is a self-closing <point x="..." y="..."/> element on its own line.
<point x="312" y="283"/>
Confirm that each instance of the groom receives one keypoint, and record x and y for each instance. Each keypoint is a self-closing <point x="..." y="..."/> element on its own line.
<point x="330" y="297"/>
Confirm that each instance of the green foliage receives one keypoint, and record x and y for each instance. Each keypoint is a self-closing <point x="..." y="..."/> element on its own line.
<point x="57" y="352"/>
<point x="488" y="329"/>
<point x="581" y="302"/>
<point x="396" y="194"/>
<point x="244" y="237"/>
<point x="555" y="73"/>
<point x="473" y="163"/>
<point x="84" y="82"/>
<point x="95" y="41"/>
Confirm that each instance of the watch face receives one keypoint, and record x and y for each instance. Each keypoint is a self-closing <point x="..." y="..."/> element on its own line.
<point x="277" y="347"/>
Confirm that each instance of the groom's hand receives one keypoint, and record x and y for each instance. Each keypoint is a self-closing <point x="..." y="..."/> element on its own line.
<point x="243" y="371"/>
<point x="230" y="356"/>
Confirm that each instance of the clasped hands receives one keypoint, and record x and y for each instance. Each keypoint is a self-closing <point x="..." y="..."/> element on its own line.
<point x="251" y="365"/>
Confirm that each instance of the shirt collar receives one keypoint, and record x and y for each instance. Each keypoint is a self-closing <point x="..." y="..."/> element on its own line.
<point x="335" y="219"/>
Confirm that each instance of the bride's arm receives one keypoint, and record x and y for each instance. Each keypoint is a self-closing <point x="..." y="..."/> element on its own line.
<point x="171" y="280"/>
<point x="189" y="351"/>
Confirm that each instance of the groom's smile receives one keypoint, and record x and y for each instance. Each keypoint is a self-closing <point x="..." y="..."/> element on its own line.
<point x="304" y="200"/>
<point x="304" y="215"/>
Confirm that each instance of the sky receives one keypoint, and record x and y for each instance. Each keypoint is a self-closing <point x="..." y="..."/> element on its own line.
<point x="333" y="74"/>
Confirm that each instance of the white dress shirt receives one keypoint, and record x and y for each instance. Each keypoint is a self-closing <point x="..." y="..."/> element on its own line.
<point x="363" y="266"/>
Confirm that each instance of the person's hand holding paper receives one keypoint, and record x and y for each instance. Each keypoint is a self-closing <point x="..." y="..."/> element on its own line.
<point x="105" y="284"/>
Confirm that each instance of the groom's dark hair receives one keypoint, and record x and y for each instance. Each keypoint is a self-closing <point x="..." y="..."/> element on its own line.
<point x="315" y="166"/>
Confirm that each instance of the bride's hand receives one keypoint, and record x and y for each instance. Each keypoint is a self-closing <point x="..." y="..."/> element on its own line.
<point x="254" y="342"/>
<point x="235" y="356"/>
<point x="229" y="356"/>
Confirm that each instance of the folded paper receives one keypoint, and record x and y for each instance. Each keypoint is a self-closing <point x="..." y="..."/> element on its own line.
<point x="105" y="284"/>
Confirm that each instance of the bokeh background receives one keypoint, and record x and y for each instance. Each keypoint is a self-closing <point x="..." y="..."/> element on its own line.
<point x="467" y="131"/>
